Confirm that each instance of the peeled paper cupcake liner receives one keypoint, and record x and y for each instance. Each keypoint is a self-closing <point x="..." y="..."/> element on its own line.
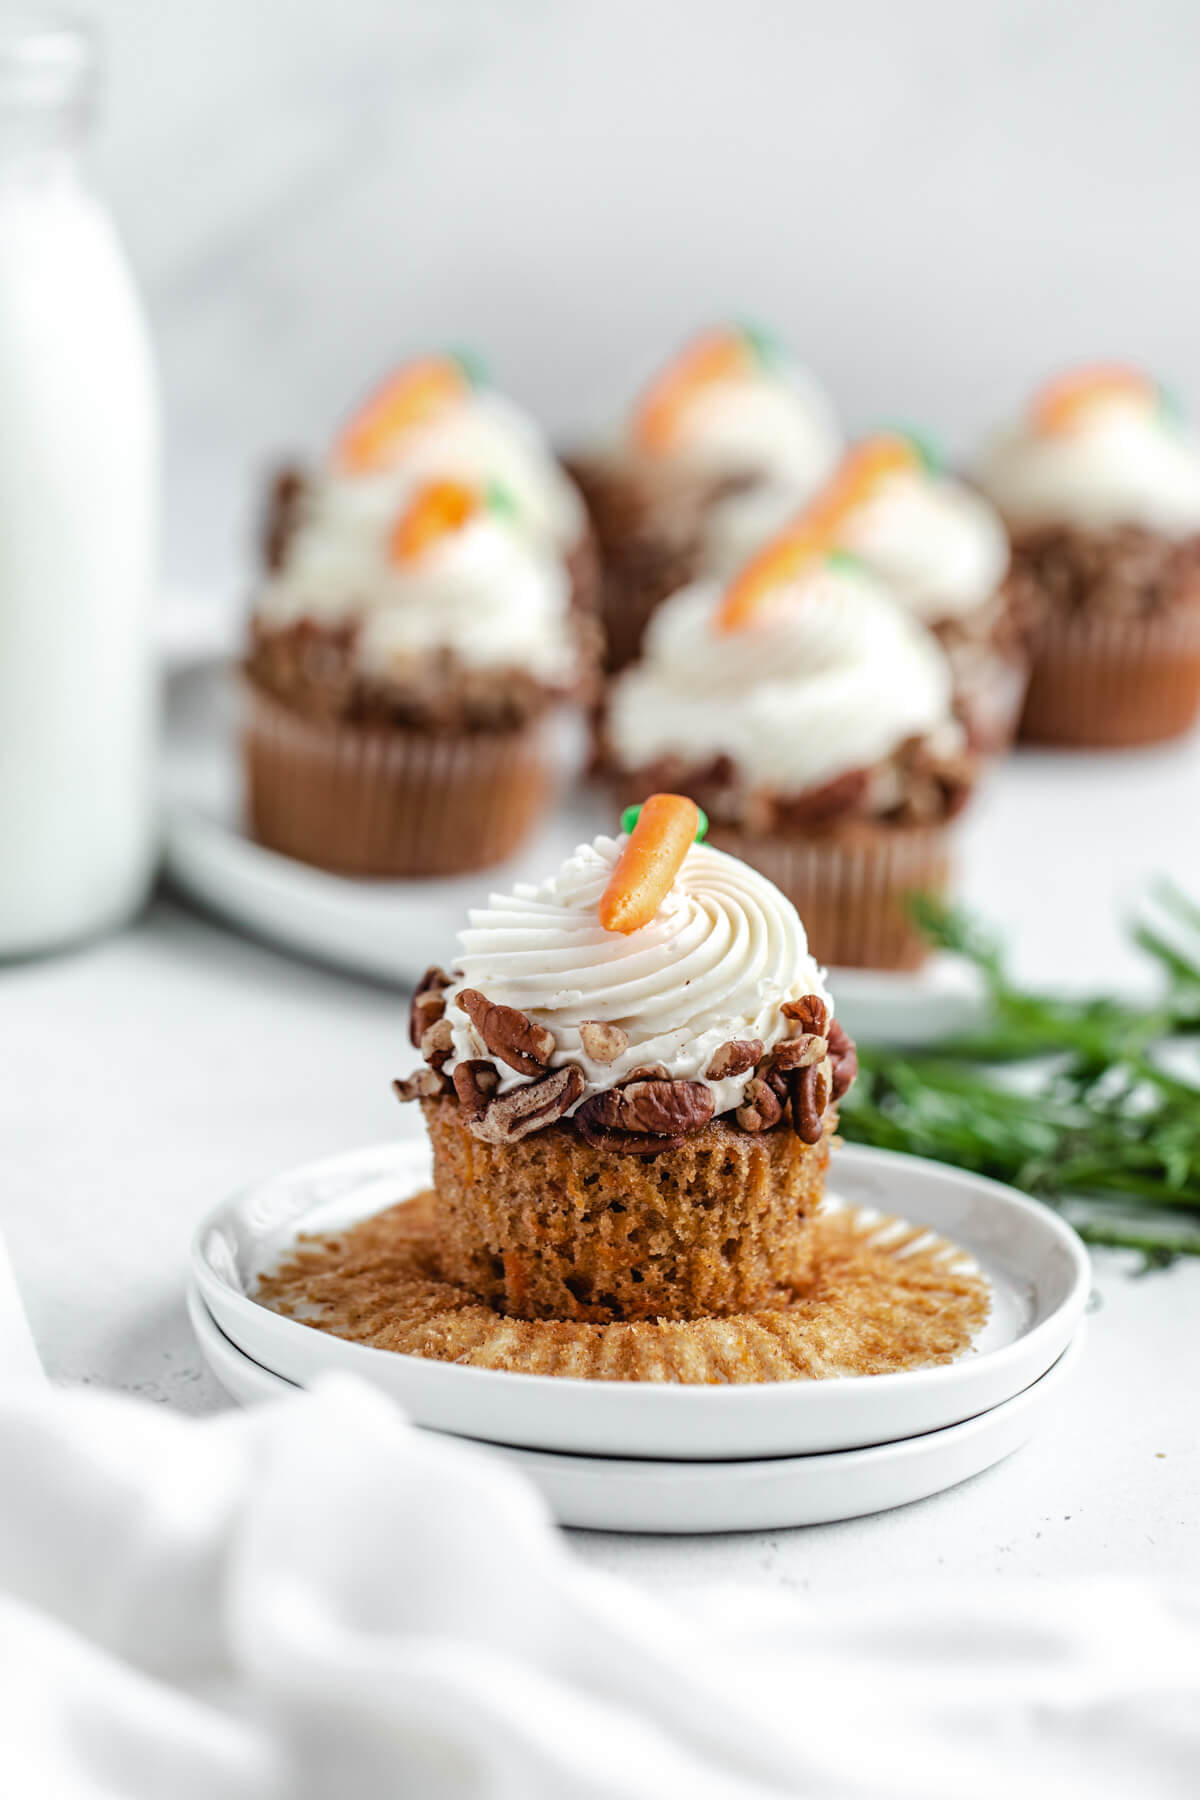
<point x="881" y="1296"/>
<point x="552" y="1227"/>
<point x="376" y="800"/>
<point x="853" y="888"/>
<point x="1115" y="683"/>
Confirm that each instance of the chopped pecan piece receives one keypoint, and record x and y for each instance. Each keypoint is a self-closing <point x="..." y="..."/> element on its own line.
<point x="810" y="1013"/>
<point x="647" y="1072"/>
<point x="843" y="1058"/>
<point x="437" y="1044"/>
<point x="812" y="1090"/>
<point x="524" y="1109"/>
<point x="655" y="1108"/>
<point x="795" y="1053"/>
<point x="475" y="1082"/>
<point x="734" y="1058"/>
<point x="427" y="1004"/>
<point x="422" y="1084"/>
<point x="761" y="1107"/>
<point x="509" y="1034"/>
<point x="603" y="1043"/>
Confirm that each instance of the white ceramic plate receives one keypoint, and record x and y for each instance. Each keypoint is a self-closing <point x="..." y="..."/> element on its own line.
<point x="609" y="1494"/>
<point x="1036" y="1265"/>
<point x="392" y="930"/>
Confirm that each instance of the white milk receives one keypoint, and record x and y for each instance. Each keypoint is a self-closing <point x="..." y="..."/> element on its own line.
<point x="78" y="500"/>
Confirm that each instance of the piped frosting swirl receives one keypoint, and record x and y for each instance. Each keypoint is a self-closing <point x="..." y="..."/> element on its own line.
<point x="725" y="950"/>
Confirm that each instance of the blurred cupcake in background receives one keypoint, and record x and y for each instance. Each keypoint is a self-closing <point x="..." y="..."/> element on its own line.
<point x="723" y="446"/>
<point x="942" y="551"/>
<point x="436" y="416"/>
<point x="811" y="716"/>
<point x="1100" y="488"/>
<point x="410" y="652"/>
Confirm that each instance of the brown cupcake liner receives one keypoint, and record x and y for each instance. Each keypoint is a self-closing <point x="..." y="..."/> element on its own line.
<point x="1112" y="683"/>
<point x="388" y="801"/>
<point x="880" y="1296"/>
<point x="853" y="887"/>
<point x="551" y="1227"/>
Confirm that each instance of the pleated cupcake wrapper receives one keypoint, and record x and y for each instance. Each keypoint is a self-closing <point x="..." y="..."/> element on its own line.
<point x="372" y="800"/>
<point x="1115" y="682"/>
<point x="853" y="890"/>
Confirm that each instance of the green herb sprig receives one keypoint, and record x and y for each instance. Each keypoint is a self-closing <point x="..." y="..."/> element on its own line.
<point x="1084" y="1102"/>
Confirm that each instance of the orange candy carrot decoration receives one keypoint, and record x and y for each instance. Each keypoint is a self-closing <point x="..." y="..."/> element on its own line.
<point x="412" y="396"/>
<point x="1064" y="401"/>
<point x="814" y="534"/>
<point x="646" y="868"/>
<point x="776" y="563"/>
<point x="436" y="509"/>
<point x="713" y="356"/>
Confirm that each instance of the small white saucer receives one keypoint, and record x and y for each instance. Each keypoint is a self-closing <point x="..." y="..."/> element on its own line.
<point x="1036" y="1266"/>
<point x="392" y="930"/>
<point x="615" y="1494"/>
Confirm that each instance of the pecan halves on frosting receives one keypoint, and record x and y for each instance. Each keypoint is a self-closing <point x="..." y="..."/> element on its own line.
<point x="422" y="1084"/>
<point x="282" y="515"/>
<point x="843" y="1058"/>
<point x="642" y="1109"/>
<point x="812" y="1091"/>
<point x="475" y="1082"/>
<point x="428" y="1004"/>
<point x="437" y="1043"/>
<point x="734" y="1058"/>
<point x="512" y="1036"/>
<point x="809" y="1012"/>
<point x="761" y="1106"/>
<point x="524" y="1109"/>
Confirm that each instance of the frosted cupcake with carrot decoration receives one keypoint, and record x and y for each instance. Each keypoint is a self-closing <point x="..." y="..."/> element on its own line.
<point x="727" y="441"/>
<point x="1099" y="485"/>
<point x="437" y="417"/>
<point x="409" y="655"/>
<point x="812" y="717"/>
<point x="630" y="1081"/>
<point x="942" y="550"/>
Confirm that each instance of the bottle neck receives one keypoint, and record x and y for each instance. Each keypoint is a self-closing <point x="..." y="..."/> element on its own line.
<point x="47" y="85"/>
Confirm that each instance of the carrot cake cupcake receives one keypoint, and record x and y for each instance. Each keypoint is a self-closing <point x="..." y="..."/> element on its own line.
<point x="632" y="1080"/>
<point x="631" y="1076"/>
<point x="409" y="654"/>
<point x="1100" y="487"/>
<point x="942" y="551"/>
<point x="726" y="442"/>
<point x="811" y="716"/>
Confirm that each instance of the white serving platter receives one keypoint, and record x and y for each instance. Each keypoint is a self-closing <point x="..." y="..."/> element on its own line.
<point x="617" y="1494"/>
<point x="392" y="930"/>
<point x="1037" y="1268"/>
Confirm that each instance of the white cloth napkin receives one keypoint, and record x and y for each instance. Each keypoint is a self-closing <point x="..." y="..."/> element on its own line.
<point x="315" y="1600"/>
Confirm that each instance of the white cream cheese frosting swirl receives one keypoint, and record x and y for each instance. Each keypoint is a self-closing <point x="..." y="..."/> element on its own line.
<point x="1123" y="461"/>
<point x="833" y="676"/>
<point x="722" y="953"/>
<point x="939" y="547"/>
<point x="485" y="592"/>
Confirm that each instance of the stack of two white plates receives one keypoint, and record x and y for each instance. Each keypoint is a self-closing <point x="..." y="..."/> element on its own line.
<point x="645" y="1456"/>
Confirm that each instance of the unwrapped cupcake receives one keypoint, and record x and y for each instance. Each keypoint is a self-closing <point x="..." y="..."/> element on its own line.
<point x="631" y="1082"/>
<point x="724" y="445"/>
<point x="811" y="716"/>
<point x="410" y="655"/>
<point x="1100" y="487"/>
<point x="942" y="551"/>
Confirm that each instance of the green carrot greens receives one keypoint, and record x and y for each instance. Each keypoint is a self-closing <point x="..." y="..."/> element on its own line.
<point x="1091" y="1104"/>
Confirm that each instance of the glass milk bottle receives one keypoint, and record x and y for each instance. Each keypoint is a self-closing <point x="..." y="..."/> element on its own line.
<point x="78" y="502"/>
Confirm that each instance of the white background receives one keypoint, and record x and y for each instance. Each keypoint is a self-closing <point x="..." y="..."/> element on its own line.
<point x="937" y="201"/>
